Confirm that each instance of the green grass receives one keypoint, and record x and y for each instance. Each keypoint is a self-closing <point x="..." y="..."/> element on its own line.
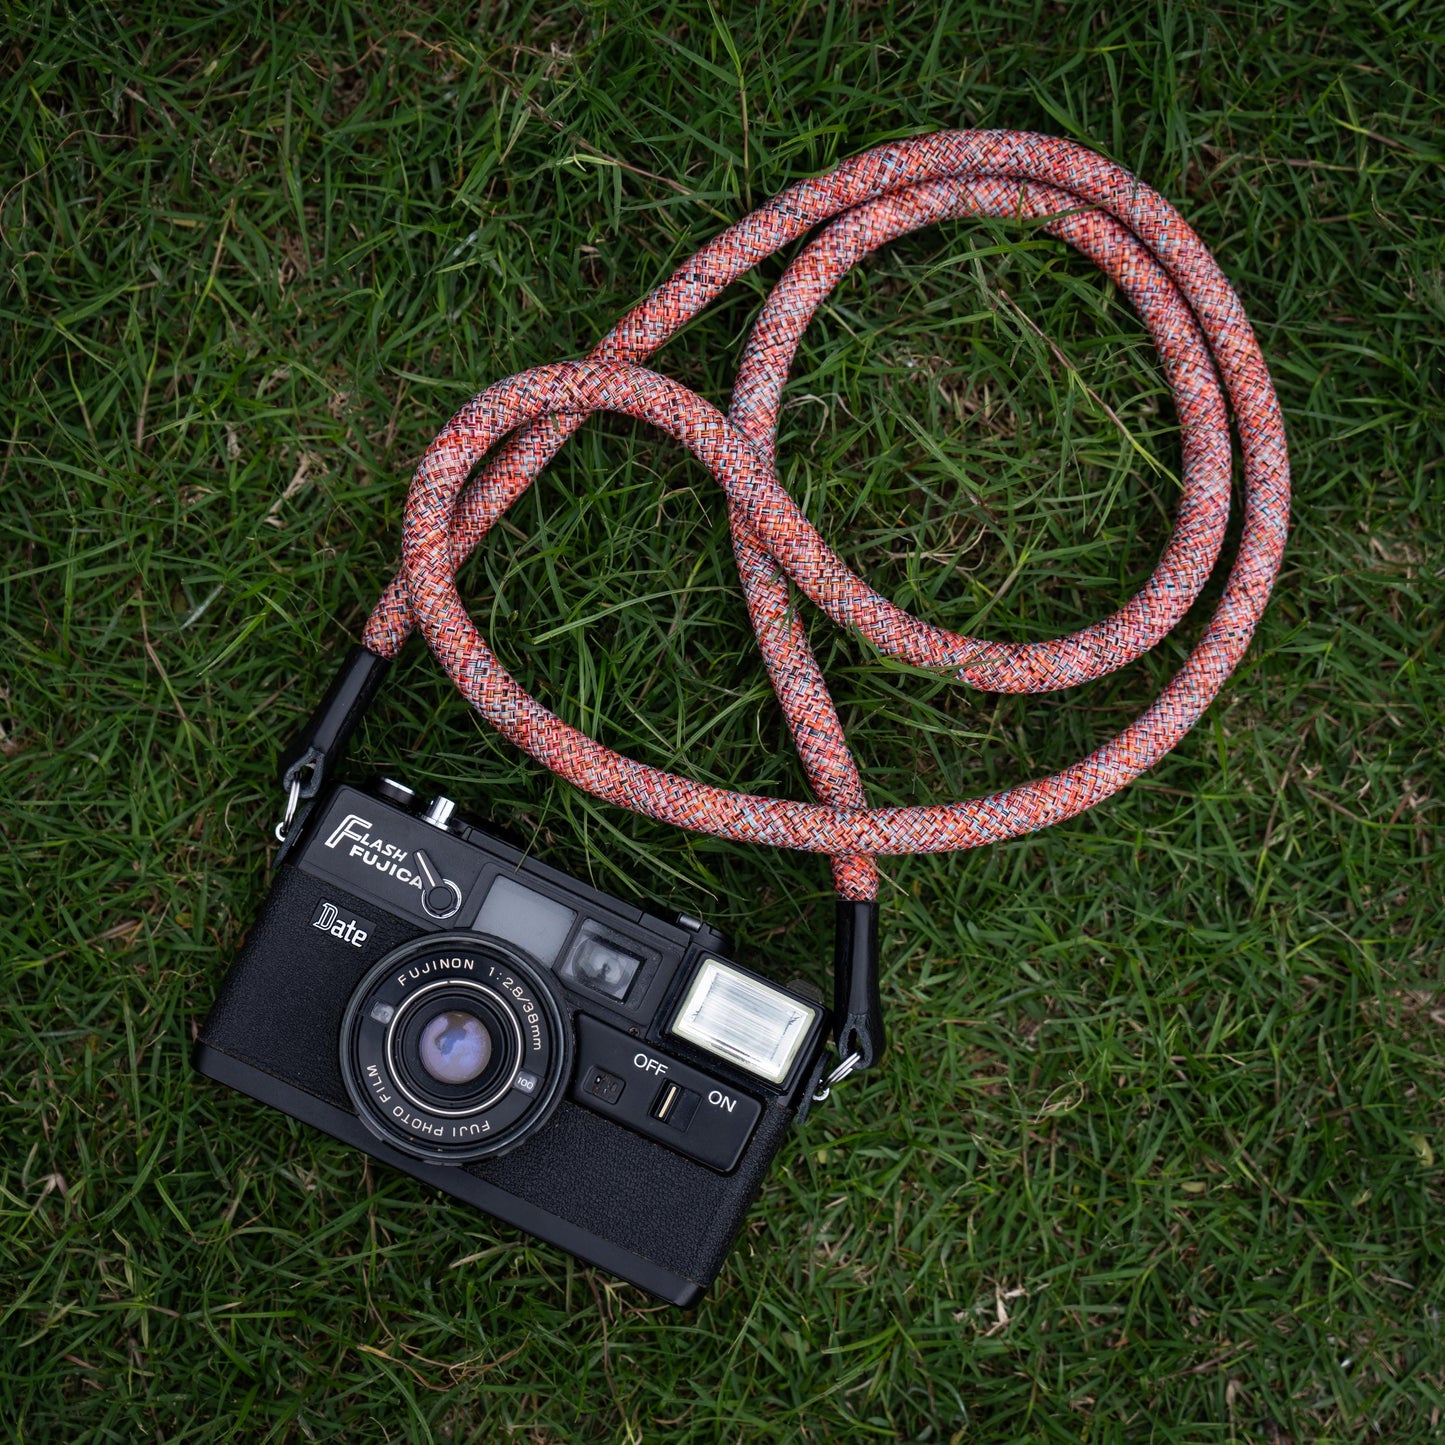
<point x="1157" y="1149"/>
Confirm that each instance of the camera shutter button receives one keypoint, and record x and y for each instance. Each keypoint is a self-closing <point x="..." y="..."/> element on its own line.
<point x="439" y="811"/>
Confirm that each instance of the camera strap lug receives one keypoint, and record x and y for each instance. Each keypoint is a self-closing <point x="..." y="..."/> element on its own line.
<point x="857" y="1008"/>
<point x="315" y="750"/>
<point x="293" y="797"/>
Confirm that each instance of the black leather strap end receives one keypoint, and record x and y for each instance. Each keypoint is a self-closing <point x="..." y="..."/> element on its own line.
<point x="857" y="1010"/>
<point x="317" y="748"/>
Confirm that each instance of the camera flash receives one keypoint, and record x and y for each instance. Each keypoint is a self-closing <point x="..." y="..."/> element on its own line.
<point x="744" y="1020"/>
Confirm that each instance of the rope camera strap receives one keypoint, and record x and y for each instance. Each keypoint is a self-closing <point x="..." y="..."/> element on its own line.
<point x="1207" y="351"/>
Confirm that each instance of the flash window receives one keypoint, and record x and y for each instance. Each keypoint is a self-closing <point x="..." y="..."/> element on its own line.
<point x="738" y="1017"/>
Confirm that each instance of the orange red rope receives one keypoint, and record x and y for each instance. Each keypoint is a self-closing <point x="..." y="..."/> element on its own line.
<point x="1208" y="353"/>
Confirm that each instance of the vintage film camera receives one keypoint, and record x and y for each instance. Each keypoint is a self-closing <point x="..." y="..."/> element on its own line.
<point x="603" y="1078"/>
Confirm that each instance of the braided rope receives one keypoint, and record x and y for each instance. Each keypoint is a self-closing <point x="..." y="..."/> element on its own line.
<point x="1203" y="339"/>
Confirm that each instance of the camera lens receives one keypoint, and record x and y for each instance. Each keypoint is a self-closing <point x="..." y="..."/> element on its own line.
<point x="455" y="1047"/>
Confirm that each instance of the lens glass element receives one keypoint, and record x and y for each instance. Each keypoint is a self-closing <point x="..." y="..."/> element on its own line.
<point x="455" y="1047"/>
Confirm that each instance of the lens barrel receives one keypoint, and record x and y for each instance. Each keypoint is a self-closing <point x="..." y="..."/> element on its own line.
<point x="453" y="1047"/>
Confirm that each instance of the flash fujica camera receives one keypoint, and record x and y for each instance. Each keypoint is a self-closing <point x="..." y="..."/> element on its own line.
<point x="608" y="1079"/>
<point x="604" y="1078"/>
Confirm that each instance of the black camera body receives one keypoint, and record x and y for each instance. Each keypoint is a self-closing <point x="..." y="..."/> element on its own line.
<point x="605" y="1079"/>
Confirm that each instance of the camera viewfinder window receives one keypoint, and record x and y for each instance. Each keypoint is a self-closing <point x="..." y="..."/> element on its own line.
<point x="600" y="964"/>
<point x="521" y="915"/>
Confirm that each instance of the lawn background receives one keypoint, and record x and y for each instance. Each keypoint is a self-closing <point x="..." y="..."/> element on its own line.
<point x="1157" y="1150"/>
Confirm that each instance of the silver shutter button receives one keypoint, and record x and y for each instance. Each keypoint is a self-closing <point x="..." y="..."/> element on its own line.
<point x="439" y="811"/>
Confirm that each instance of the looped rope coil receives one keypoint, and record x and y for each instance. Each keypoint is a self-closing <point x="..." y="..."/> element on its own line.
<point x="1203" y="339"/>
